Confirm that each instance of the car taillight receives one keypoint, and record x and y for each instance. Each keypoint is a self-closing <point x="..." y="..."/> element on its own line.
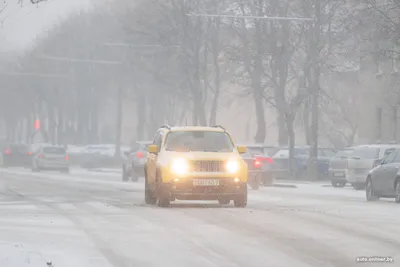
<point x="257" y="163"/>
<point x="41" y="156"/>
<point x="7" y="151"/>
<point x="30" y="153"/>
<point x="270" y="160"/>
<point x="139" y="155"/>
<point x="66" y="157"/>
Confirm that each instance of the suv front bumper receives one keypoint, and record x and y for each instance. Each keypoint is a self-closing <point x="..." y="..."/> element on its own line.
<point x="184" y="189"/>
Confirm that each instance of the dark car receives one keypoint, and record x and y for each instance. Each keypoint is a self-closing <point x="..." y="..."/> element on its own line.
<point x="301" y="156"/>
<point x="16" y="155"/>
<point x="133" y="166"/>
<point x="254" y="167"/>
<point x="262" y="154"/>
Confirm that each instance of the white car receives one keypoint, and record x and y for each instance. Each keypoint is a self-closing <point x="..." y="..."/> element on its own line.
<point x="50" y="158"/>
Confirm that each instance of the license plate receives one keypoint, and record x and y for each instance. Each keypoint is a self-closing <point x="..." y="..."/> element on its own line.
<point x="338" y="174"/>
<point x="205" y="182"/>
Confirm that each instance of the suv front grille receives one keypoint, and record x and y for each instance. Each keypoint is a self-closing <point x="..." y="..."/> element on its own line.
<point x="208" y="166"/>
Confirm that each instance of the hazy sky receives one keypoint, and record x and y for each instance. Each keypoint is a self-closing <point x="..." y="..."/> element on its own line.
<point x="22" y="25"/>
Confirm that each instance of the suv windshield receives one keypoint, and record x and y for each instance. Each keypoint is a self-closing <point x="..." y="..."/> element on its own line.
<point x="366" y="153"/>
<point x="54" y="150"/>
<point x="186" y="141"/>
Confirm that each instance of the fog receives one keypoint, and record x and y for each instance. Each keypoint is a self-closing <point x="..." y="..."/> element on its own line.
<point x="287" y="73"/>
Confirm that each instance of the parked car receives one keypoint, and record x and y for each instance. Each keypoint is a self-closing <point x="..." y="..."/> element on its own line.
<point x="16" y="155"/>
<point x="384" y="179"/>
<point x="301" y="156"/>
<point x="254" y="169"/>
<point x="338" y="167"/>
<point x="365" y="158"/>
<point x="262" y="154"/>
<point x="133" y="166"/>
<point x="50" y="158"/>
<point x="261" y="149"/>
<point x="102" y="156"/>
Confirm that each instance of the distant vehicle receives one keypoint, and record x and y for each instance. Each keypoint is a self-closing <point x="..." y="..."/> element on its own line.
<point x="50" y="158"/>
<point x="133" y="165"/>
<point x="262" y="149"/>
<point x="254" y="168"/>
<point x="365" y="158"/>
<point x="263" y="154"/>
<point x="15" y="155"/>
<point x="301" y="155"/>
<point x="384" y="179"/>
<point x="338" y="167"/>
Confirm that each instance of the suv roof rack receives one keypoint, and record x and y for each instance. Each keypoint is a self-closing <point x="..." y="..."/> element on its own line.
<point x="165" y="127"/>
<point x="219" y="126"/>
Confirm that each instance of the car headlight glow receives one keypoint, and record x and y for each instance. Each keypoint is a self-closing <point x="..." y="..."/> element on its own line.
<point x="232" y="166"/>
<point x="180" y="166"/>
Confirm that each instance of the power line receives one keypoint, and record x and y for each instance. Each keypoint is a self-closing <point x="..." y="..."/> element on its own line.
<point x="77" y="60"/>
<point x="140" y="46"/>
<point x="248" y="17"/>
<point x="43" y="75"/>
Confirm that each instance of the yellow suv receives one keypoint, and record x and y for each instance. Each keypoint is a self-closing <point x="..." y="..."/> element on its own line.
<point x="195" y="163"/>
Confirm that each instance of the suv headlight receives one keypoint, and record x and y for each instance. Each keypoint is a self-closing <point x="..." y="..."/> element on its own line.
<point x="232" y="166"/>
<point x="180" y="166"/>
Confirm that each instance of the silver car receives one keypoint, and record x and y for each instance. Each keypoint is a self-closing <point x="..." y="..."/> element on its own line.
<point x="384" y="179"/>
<point x="363" y="159"/>
<point x="50" y="158"/>
<point x="338" y="167"/>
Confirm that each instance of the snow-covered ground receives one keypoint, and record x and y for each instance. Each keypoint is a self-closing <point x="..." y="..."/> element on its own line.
<point x="93" y="219"/>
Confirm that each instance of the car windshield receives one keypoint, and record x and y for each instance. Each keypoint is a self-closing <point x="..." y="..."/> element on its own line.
<point x="255" y="150"/>
<point x="270" y="151"/>
<point x="186" y="141"/>
<point x="344" y="153"/>
<point x="366" y="153"/>
<point x="54" y="150"/>
<point x="248" y="154"/>
<point x="326" y="152"/>
<point x="297" y="152"/>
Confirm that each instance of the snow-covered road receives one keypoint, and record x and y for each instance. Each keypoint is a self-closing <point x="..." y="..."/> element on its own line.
<point x="93" y="219"/>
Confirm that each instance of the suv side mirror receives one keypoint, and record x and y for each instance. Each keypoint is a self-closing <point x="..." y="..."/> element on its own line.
<point x="242" y="149"/>
<point x="152" y="149"/>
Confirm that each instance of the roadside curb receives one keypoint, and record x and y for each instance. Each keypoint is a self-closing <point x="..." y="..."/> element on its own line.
<point x="103" y="170"/>
<point x="284" y="185"/>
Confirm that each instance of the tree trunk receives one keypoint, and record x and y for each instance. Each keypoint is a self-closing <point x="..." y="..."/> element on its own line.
<point x="289" y="118"/>
<point x="261" y="128"/>
<point x="217" y="80"/>
<point x="119" y="122"/>
<point x="141" y="112"/>
<point x="306" y="123"/>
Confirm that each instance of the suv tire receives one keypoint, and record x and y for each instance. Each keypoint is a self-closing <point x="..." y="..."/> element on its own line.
<point x="149" y="197"/>
<point x="240" y="200"/>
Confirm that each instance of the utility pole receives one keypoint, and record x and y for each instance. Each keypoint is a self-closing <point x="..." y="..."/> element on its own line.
<point x="312" y="169"/>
